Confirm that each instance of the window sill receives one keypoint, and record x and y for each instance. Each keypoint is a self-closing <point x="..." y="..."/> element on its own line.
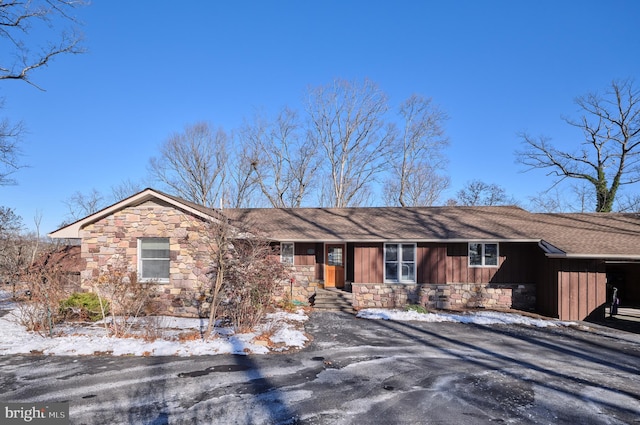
<point x="402" y="282"/>
<point x="483" y="267"/>
<point x="158" y="281"/>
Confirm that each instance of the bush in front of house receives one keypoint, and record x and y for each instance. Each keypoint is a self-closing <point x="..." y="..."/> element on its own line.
<point x="417" y="308"/>
<point x="252" y="276"/>
<point x="126" y="297"/>
<point x="39" y="309"/>
<point x="83" y="306"/>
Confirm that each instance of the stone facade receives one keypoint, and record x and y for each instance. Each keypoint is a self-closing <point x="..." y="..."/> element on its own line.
<point x="112" y="243"/>
<point x="453" y="296"/>
<point x="301" y="285"/>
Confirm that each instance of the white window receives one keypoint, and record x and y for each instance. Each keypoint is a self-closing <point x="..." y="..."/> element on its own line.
<point x="400" y="262"/>
<point x="483" y="254"/>
<point x="154" y="259"/>
<point x="286" y="252"/>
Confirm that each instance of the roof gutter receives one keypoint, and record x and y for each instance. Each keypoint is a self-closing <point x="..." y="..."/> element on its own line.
<point x="606" y="257"/>
<point x="407" y="240"/>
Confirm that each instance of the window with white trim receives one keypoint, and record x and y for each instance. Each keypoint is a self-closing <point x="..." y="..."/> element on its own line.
<point x="400" y="262"/>
<point x="286" y="252"/>
<point x="483" y="254"/>
<point x="153" y="259"/>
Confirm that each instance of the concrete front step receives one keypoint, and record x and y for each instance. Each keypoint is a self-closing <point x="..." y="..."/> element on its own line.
<point x="332" y="300"/>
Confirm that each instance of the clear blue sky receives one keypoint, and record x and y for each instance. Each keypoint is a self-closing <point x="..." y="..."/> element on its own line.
<point x="496" y="67"/>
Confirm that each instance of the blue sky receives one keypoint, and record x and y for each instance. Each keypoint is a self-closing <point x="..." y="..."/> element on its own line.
<point x="496" y="67"/>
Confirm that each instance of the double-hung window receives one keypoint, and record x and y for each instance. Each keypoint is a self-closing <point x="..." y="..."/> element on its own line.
<point x="286" y="252"/>
<point x="154" y="259"/>
<point x="400" y="262"/>
<point x="483" y="254"/>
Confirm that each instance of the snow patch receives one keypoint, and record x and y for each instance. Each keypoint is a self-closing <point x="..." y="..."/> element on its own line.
<point x="478" y="318"/>
<point x="82" y="339"/>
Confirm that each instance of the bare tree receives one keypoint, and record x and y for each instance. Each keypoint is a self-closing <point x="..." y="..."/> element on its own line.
<point x="478" y="193"/>
<point x="10" y="138"/>
<point x="22" y="22"/>
<point x="124" y="189"/>
<point x="81" y="205"/>
<point x="193" y="164"/>
<point x="84" y="204"/>
<point x="609" y="155"/>
<point x="422" y="186"/>
<point x="10" y="222"/>
<point x="549" y="201"/>
<point x="283" y="161"/>
<point x="241" y="187"/>
<point x="14" y="255"/>
<point x="23" y="25"/>
<point x="347" y="124"/>
<point x="629" y="204"/>
<point x="418" y="160"/>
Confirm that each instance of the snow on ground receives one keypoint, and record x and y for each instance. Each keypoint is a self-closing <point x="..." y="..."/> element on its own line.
<point x="281" y="331"/>
<point x="478" y="318"/>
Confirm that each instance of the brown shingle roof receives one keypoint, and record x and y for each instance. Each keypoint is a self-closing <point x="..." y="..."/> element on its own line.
<point x="603" y="235"/>
<point x="595" y="234"/>
<point x="384" y="223"/>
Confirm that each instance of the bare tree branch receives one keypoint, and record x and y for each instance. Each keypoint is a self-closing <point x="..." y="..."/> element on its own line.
<point x="193" y="164"/>
<point x="609" y="155"/>
<point x="284" y="162"/>
<point x="417" y="158"/>
<point x="81" y="205"/>
<point x="347" y="123"/>
<point x="20" y="22"/>
<point x="10" y="138"/>
<point x="479" y="193"/>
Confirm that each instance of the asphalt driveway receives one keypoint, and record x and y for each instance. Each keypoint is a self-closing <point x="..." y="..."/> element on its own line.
<point x="357" y="371"/>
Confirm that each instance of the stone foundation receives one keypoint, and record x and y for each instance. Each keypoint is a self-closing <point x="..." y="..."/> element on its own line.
<point x="452" y="296"/>
<point x="300" y="286"/>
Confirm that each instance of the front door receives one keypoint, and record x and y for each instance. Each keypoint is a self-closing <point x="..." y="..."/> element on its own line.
<point x="334" y="266"/>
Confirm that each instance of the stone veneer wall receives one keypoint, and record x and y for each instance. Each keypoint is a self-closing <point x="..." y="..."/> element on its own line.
<point x="113" y="241"/>
<point x="301" y="285"/>
<point x="454" y="296"/>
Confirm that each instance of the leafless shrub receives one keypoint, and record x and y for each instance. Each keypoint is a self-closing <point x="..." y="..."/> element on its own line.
<point x="128" y="298"/>
<point x="39" y="307"/>
<point x="152" y="327"/>
<point x="251" y="282"/>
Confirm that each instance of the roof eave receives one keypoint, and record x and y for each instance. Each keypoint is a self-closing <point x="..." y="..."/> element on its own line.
<point x="412" y="240"/>
<point x="605" y="257"/>
<point x="72" y="231"/>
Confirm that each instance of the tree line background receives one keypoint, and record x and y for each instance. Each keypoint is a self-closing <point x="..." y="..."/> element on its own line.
<point x="346" y="147"/>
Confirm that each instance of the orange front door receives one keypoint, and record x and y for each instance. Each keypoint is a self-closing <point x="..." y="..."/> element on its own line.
<point x="334" y="265"/>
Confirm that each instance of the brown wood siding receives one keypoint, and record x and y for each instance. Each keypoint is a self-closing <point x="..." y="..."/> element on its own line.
<point x="547" y="286"/>
<point x="431" y="261"/>
<point x="319" y="261"/>
<point x="457" y="263"/>
<point x="518" y="263"/>
<point x="581" y="288"/>
<point x="368" y="263"/>
<point x="305" y="254"/>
